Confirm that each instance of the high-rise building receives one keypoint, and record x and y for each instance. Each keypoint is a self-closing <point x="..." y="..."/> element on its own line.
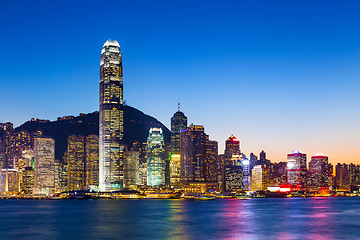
<point x="262" y="158"/>
<point x="82" y="162"/>
<point x="232" y="169"/>
<point x="131" y="169"/>
<point x="28" y="180"/>
<point x="342" y="175"/>
<point x="142" y="149"/>
<point x="296" y="169"/>
<point x="155" y="158"/>
<point x="259" y="178"/>
<point x="178" y="123"/>
<point x="319" y="171"/>
<point x="76" y="163"/>
<point x="192" y="150"/>
<point x="211" y="163"/>
<point x="354" y="174"/>
<point x="232" y="147"/>
<point x="233" y="177"/>
<point x="111" y="119"/>
<point x="7" y="140"/>
<point x="253" y="160"/>
<point x="44" y="170"/>
<point x="92" y="162"/>
<point x="246" y="164"/>
<point x="175" y="169"/>
<point x="9" y="181"/>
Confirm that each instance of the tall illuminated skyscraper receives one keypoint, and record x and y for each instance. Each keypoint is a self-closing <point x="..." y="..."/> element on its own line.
<point x="296" y="169"/>
<point x="155" y="158"/>
<point x="44" y="170"/>
<point x="111" y="118"/>
<point x="192" y="151"/>
<point x="178" y="123"/>
<point x="319" y="170"/>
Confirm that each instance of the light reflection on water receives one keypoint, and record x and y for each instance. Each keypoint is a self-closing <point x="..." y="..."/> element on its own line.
<point x="314" y="218"/>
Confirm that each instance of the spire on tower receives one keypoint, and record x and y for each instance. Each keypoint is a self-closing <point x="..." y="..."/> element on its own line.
<point x="179" y="104"/>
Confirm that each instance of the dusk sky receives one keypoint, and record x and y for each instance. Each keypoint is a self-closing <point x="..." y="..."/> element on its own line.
<point x="279" y="75"/>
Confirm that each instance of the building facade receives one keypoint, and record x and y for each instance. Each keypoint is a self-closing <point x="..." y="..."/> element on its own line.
<point x="131" y="169"/>
<point x="192" y="151"/>
<point x="260" y="178"/>
<point x="111" y="119"/>
<point x="44" y="166"/>
<point x="296" y="169"/>
<point x="319" y="171"/>
<point x="155" y="158"/>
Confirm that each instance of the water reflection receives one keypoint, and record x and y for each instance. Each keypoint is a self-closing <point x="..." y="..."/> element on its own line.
<point x="315" y="218"/>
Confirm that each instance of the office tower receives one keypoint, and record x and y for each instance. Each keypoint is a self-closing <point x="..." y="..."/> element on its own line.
<point x="142" y="149"/>
<point x="57" y="176"/>
<point x="175" y="169"/>
<point x="278" y="173"/>
<point x="342" y="175"/>
<point x="232" y="147"/>
<point x="260" y="178"/>
<point x="111" y="119"/>
<point x="155" y="158"/>
<point x="63" y="176"/>
<point x="253" y="160"/>
<point x="7" y="132"/>
<point x="262" y="158"/>
<point x="21" y="141"/>
<point x="76" y="163"/>
<point x="232" y="170"/>
<point x="246" y="173"/>
<point x="211" y="161"/>
<point x="27" y="184"/>
<point x="9" y="181"/>
<point x="178" y="123"/>
<point x="296" y="169"/>
<point x="233" y="177"/>
<point x="192" y="150"/>
<point x="82" y="162"/>
<point x="92" y="162"/>
<point x="131" y="169"/>
<point x="354" y="174"/>
<point x="319" y="171"/>
<point x="44" y="167"/>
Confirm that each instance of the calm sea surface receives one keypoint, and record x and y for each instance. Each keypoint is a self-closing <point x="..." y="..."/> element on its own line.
<point x="310" y="218"/>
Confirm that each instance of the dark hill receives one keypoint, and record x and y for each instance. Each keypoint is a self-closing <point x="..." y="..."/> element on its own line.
<point x="136" y="128"/>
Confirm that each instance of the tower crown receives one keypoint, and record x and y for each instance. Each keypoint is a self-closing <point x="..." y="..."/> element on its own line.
<point x="111" y="43"/>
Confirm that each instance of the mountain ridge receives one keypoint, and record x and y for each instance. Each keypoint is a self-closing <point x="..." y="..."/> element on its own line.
<point x="136" y="127"/>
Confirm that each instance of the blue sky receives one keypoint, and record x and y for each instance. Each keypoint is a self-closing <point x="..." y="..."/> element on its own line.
<point x="280" y="75"/>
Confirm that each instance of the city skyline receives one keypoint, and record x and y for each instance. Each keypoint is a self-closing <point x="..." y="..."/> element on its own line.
<point x="297" y="90"/>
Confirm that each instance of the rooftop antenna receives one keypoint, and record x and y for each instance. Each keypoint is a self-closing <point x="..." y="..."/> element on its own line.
<point x="178" y="104"/>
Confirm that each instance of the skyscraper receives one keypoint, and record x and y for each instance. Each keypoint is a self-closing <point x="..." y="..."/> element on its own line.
<point x="259" y="178"/>
<point x="111" y="119"/>
<point x="211" y="163"/>
<point x="232" y="169"/>
<point x="82" y="162"/>
<point x="44" y="171"/>
<point x="178" y="123"/>
<point x="131" y="169"/>
<point x="76" y="163"/>
<point x="296" y="169"/>
<point x="155" y="158"/>
<point x="319" y="171"/>
<point x="193" y="149"/>
<point x="92" y="162"/>
<point x="232" y="147"/>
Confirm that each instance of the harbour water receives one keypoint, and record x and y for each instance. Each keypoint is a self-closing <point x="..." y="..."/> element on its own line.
<point x="289" y="218"/>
